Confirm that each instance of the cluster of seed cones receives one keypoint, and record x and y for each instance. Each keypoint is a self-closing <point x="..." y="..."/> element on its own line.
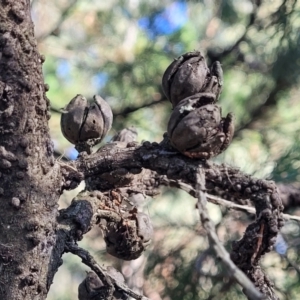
<point x="196" y="127"/>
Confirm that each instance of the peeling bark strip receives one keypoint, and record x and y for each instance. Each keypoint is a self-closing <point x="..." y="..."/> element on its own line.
<point x="259" y="237"/>
<point x="29" y="187"/>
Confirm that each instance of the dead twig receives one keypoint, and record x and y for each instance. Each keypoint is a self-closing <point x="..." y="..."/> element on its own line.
<point x="233" y="270"/>
<point x="220" y="201"/>
<point x="105" y="277"/>
<point x="64" y="14"/>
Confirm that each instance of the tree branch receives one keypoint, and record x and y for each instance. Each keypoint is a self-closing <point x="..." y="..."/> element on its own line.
<point x="86" y="210"/>
<point x="232" y="269"/>
<point x="259" y="112"/>
<point x="126" y="111"/>
<point x="105" y="277"/>
<point x="64" y="14"/>
<point x="229" y="50"/>
<point x="130" y="109"/>
<point x="220" y="201"/>
<point x="259" y="237"/>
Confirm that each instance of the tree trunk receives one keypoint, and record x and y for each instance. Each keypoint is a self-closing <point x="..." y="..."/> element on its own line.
<point x="33" y="237"/>
<point x="29" y="185"/>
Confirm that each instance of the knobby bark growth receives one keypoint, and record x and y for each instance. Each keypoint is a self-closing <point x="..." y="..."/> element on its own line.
<point x="30" y="181"/>
<point x="34" y="234"/>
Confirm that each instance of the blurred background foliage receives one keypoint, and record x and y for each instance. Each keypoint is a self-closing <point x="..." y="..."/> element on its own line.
<point x="120" y="49"/>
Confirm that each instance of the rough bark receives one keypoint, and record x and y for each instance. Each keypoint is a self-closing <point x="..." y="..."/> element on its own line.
<point x="107" y="168"/>
<point x="29" y="184"/>
<point x="33" y="234"/>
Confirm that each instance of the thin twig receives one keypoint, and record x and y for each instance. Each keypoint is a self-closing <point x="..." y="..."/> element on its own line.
<point x="249" y="209"/>
<point x="130" y="109"/>
<point x="124" y="112"/>
<point x="252" y="19"/>
<point x="65" y="13"/>
<point x="105" y="277"/>
<point x="233" y="270"/>
<point x="55" y="110"/>
<point x="220" y="201"/>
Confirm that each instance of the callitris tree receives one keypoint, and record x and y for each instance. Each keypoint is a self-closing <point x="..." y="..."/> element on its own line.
<point x="35" y="234"/>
